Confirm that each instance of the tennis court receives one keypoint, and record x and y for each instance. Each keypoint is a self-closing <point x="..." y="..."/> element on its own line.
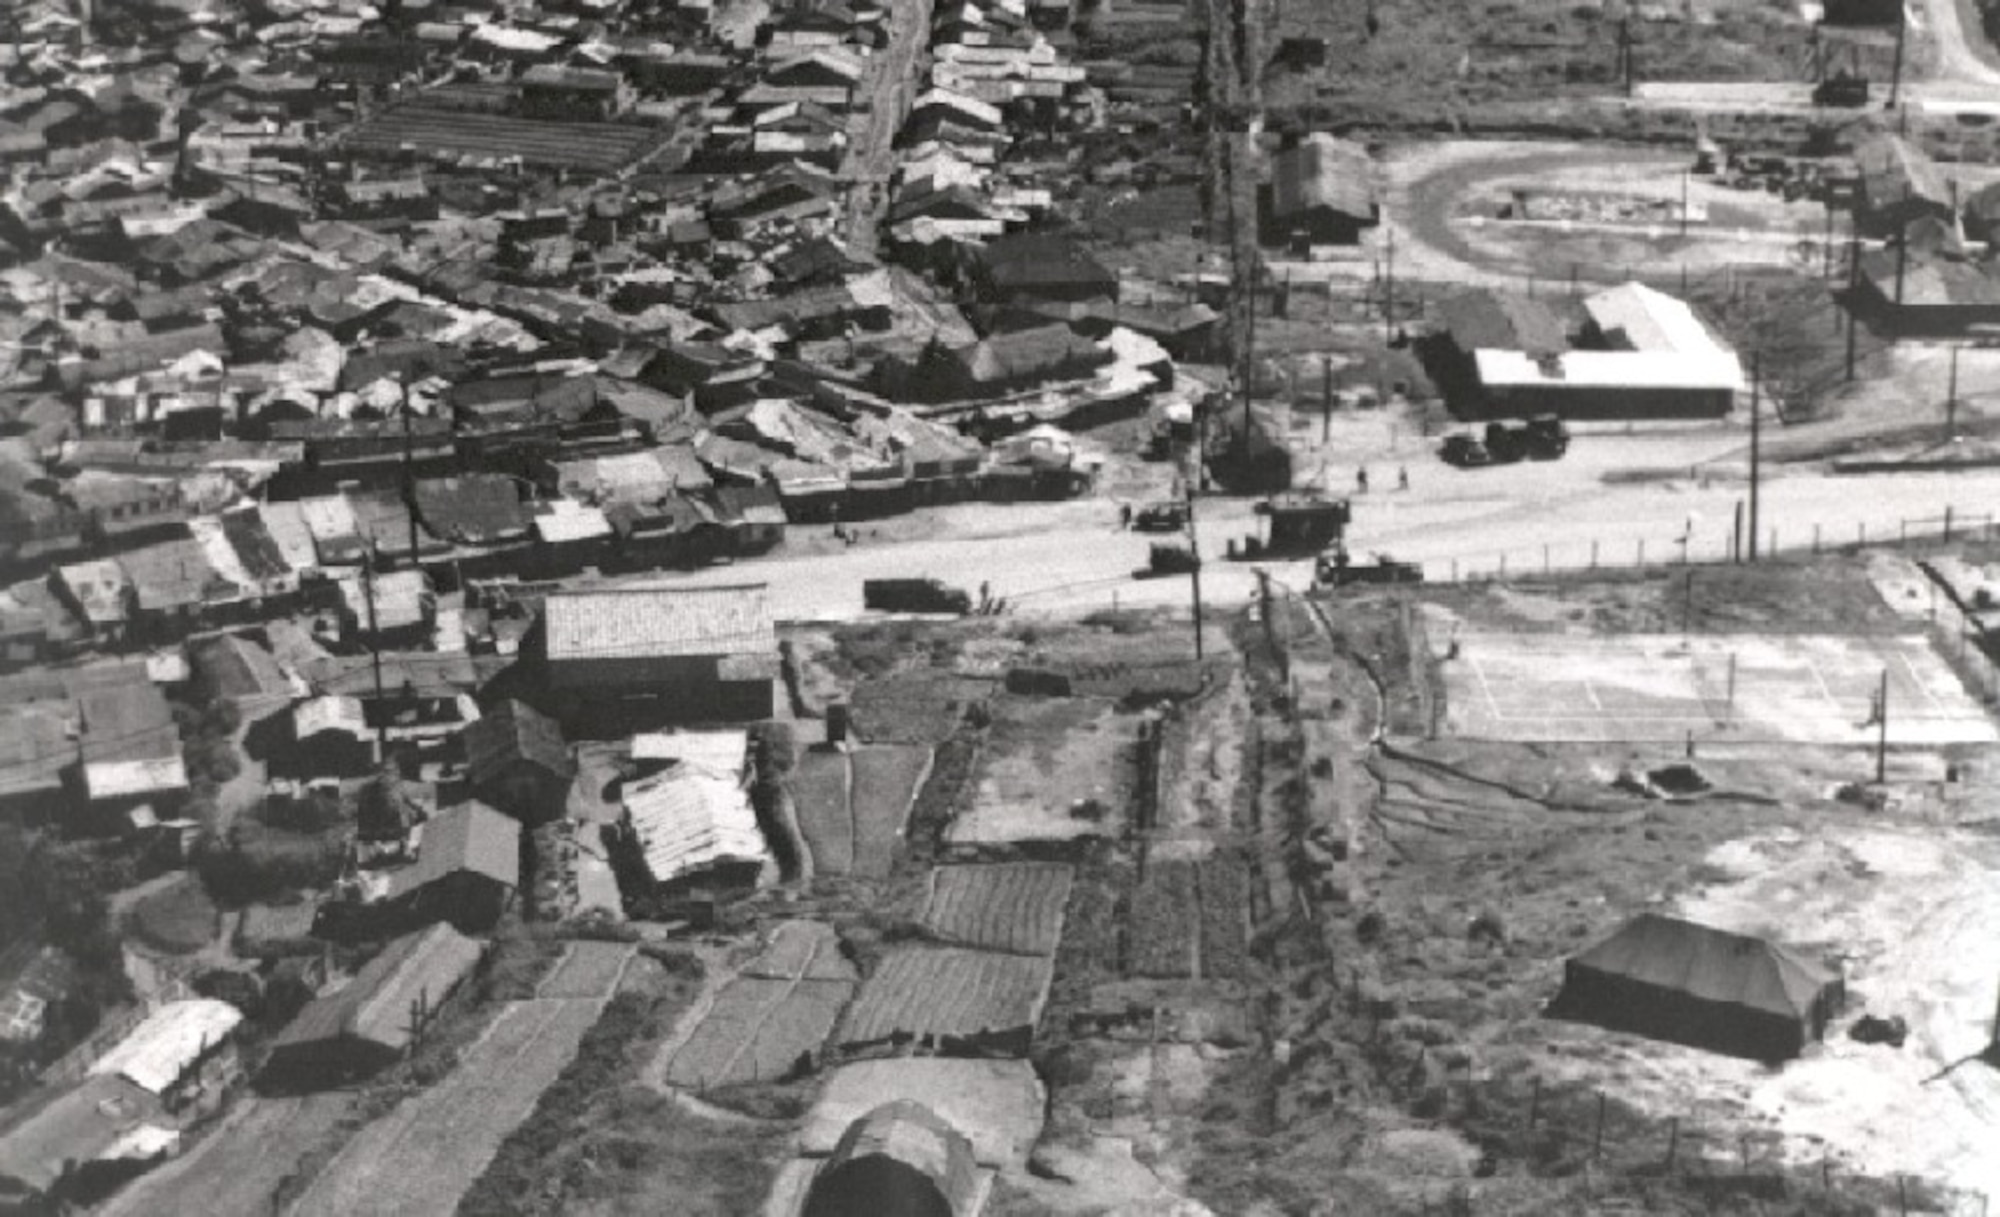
<point x="1809" y="689"/>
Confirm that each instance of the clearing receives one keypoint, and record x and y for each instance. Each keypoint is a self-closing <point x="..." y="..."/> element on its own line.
<point x="1733" y="687"/>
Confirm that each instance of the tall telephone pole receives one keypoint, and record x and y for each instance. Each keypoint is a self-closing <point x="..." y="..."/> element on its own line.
<point x="374" y="649"/>
<point x="1194" y="571"/>
<point x="1896" y="74"/>
<point x="1853" y="279"/>
<point x="1756" y="433"/>
<point x="1882" y="731"/>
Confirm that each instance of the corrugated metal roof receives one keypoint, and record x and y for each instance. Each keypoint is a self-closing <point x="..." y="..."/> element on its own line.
<point x="687" y="819"/>
<point x="567" y="520"/>
<point x="129" y="779"/>
<point x="910" y="1133"/>
<point x="169" y="1042"/>
<point x="653" y="622"/>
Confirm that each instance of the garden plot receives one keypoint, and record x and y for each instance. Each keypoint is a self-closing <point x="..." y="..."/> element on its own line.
<point x="914" y="708"/>
<point x="587" y="969"/>
<point x="1808" y="689"/>
<point x="1015" y="907"/>
<point x="1054" y="769"/>
<point x="764" y="1023"/>
<point x="950" y="997"/>
<point x="854" y="804"/>
<point x="1189" y="919"/>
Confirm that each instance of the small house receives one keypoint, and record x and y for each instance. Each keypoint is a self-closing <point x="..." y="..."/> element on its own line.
<point x="1322" y="192"/>
<point x="374" y="1019"/>
<point x="467" y="869"/>
<point x="516" y="760"/>
<point x="178" y="1053"/>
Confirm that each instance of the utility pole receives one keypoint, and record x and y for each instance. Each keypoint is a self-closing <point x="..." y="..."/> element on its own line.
<point x="409" y="472"/>
<point x="375" y="650"/>
<point x="1684" y="223"/>
<point x="1326" y="398"/>
<point x="1896" y="74"/>
<point x="1756" y="435"/>
<point x="1853" y="278"/>
<point x="1902" y="245"/>
<point x="1882" y="732"/>
<point x="1389" y="288"/>
<point x="1625" y="52"/>
<point x="1194" y="571"/>
<point x="1951" y="397"/>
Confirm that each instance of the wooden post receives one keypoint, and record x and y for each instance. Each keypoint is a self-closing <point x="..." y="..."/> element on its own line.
<point x="1815" y="540"/>
<point x="1947" y="523"/>
<point x="1535" y="1104"/>
<point x="1593" y="553"/>
<point x="1673" y="1140"/>
<point x="1597" y="1138"/>
<point x="1545" y="557"/>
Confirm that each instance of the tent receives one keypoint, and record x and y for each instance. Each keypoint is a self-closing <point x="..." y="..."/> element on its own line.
<point x="1675" y="980"/>
<point x="899" y="1160"/>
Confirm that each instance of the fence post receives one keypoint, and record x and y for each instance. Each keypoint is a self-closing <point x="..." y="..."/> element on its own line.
<point x="1593" y="553"/>
<point x="1642" y="553"/>
<point x="1902" y="532"/>
<point x="1597" y="1138"/>
<point x="1454" y="570"/>
<point x="1545" y="557"/>
<point x="1947" y="523"/>
<point x="1773" y="551"/>
<point x="1815" y="540"/>
<point x="1861" y="534"/>
<point x="1503" y="566"/>
<point x="1903" y="1195"/>
<point x="1673" y="1140"/>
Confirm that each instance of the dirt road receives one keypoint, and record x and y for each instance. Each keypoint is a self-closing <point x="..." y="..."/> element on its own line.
<point x="1072" y="557"/>
<point x="890" y="83"/>
<point x="1954" y="26"/>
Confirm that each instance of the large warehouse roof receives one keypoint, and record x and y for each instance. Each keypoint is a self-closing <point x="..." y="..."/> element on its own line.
<point x="651" y="622"/>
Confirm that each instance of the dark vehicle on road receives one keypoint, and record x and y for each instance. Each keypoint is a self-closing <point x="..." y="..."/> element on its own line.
<point x="914" y="596"/>
<point x="1465" y="450"/>
<point x="1168" y="559"/>
<point x="1169" y="515"/>
<point x="1843" y="89"/>
<point x="1336" y="568"/>
<point x="1542" y="438"/>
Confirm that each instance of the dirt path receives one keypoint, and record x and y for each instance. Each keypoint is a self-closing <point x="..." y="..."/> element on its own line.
<point x="890" y="83"/>
<point x="1960" y="43"/>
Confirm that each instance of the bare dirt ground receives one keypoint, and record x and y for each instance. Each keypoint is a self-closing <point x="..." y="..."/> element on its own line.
<point x="1908" y="913"/>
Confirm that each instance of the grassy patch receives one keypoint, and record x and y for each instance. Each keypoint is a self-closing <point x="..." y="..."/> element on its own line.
<point x="179" y="919"/>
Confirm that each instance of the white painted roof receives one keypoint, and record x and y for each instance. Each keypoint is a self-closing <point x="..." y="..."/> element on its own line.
<point x="1713" y="370"/>
<point x="171" y="1040"/>
<point x="687" y="819"/>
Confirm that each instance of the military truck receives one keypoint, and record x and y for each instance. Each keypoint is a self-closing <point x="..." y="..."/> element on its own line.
<point x="914" y="596"/>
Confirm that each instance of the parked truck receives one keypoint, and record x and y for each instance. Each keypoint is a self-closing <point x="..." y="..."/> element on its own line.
<point x="914" y="596"/>
<point x="1541" y="438"/>
<point x="1337" y="568"/>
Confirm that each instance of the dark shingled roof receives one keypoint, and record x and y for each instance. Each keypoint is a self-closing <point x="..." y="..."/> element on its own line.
<point x="1323" y="172"/>
<point x="470" y="837"/>
<point x="375" y="1005"/>
<point x="1030" y="260"/>
<point x="1503" y="321"/>
<point x="476" y="509"/>
<point x="512" y="731"/>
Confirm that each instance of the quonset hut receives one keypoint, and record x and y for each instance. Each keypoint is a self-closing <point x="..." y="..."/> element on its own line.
<point x="1675" y="980"/>
<point x="899" y="1160"/>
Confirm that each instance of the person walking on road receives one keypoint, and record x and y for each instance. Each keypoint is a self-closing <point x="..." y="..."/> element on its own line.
<point x="1125" y="515"/>
<point x="1402" y="477"/>
<point x="1361" y="479"/>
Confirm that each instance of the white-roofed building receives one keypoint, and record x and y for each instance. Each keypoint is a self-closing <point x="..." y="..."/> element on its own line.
<point x="666" y="654"/>
<point x="695" y="832"/>
<point x="1648" y="356"/>
<point x="170" y="1054"/>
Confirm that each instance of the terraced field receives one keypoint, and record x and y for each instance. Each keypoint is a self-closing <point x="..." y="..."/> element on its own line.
<point x="421" y="1157"/>
<point x="1015" y="907"/>
<point x="853" y="806"/>
<point x="597" y="147"/>
<point x="949" y="995"/>
<point x="776" y="1014"/>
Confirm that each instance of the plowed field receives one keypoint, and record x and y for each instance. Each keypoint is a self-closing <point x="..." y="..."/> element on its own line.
<point x="1015" y="907"/>
<point x="777" y="1013"/>
<point x="947" y="993"/>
